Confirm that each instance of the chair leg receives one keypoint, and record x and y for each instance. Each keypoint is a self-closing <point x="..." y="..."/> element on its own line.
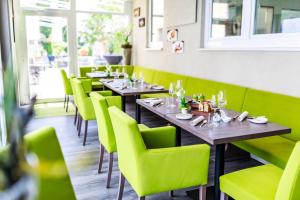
<point x="110" y="165"/>
<point x="101" y="158"/>
<point x="85" y="131"/>
<point x="79" y="125"/>
<point x="202" y="193"/>
<point x="171" y="193"/>
<point x="76" y="114"/>
<point x="121" y="186"/>
<point x="68" y="99"/>
<point x="224" y="196"/>
<point x="65" y="101"/>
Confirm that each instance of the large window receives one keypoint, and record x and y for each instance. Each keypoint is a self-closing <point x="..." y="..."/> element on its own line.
<point x="156" y="23"/>
<point x="252" y="24"/>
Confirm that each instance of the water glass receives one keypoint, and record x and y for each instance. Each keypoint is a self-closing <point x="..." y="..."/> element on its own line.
<point x="172" y="93"/>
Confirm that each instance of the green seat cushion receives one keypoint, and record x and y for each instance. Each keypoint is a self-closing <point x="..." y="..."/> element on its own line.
<point x="165" y="78"/>
<point x="158" y="95"/>
<point x="97" y="85"/>
<point x="281" y="109"/>
<point x="142" y="127"/>
<point x="257" y="183"/>
<point x="275" y="149"/>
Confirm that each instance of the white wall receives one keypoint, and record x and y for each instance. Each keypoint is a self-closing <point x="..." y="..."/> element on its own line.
<point x="272" y="71"/>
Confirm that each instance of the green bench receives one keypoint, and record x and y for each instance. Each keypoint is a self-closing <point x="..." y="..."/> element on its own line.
<point x="281" y="109"/>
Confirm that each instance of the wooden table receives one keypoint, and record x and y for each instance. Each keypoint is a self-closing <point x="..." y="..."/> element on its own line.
<point x="101" y="74"/>
<point x="218" y="136"/>
<point x="137" y="91"/>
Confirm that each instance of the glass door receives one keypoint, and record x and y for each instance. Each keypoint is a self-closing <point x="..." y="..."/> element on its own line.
<point x="47" y="54"/>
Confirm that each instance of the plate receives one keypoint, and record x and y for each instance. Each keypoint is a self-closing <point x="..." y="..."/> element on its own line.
<point x="184" y="116"/>
<point x="158" y="87"/>
<point x="259" y="120"/>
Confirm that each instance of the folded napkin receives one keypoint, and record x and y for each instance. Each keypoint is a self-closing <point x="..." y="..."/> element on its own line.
<point x="196" y="121"/>
<point x="155" y="102"/>
<point x="224" y="117"/>
<point x="243" y="116"/>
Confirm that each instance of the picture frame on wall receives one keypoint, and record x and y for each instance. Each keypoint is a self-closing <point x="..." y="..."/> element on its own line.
<point x="137" y="12"/>
<point x="172" y="35"/>
<point x="178" y="47"/>
<point x="142" y="22"/>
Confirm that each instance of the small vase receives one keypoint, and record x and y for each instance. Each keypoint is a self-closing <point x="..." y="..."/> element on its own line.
<point x="127" y="56"/>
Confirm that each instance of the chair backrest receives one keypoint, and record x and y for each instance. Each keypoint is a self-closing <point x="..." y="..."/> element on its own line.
<point x="105" y="130"/>
<point x="129" y="141"/>
<point x="45" y="145"/>
<point x="84" y="103"/>
<point x="289" y="185"/>
<point x="66" y="81"/>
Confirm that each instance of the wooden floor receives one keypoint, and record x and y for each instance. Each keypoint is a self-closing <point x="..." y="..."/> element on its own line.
<point x="82" y="161"/>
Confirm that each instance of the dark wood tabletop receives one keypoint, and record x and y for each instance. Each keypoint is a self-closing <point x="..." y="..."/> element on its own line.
<point x="138" y="90"/>
<point x="224" y="132"/>
<point x="101" y="74"/>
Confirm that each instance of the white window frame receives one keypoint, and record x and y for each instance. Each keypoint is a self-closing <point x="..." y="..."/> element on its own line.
<point x="150" y="43"/>
<point x="248" y="40"/>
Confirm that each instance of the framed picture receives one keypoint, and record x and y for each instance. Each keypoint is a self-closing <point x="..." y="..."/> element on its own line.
<point x="137" y="12"/>
<point x="142" y="22"/>
<point x="172" y="35"/>
<point x="178" y="47"/>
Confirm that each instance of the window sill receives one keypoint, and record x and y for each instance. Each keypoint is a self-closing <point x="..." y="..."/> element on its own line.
<point x="251" y="49"/>
<point x="154" y="49"/>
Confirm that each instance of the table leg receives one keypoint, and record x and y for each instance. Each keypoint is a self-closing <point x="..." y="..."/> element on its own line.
<point x="124" y="103"/>
<point x="178" y="136"/>
<point x="137" y="110"/>
<point x="219" y="168"/>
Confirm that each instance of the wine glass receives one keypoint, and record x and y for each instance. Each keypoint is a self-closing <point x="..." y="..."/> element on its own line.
<point x="172" y="93"/>
<point x="222" y="100"/>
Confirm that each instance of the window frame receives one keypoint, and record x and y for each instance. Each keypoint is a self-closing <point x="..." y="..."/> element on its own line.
<point x="248" y="39"/>
<point x="150" y="44"/>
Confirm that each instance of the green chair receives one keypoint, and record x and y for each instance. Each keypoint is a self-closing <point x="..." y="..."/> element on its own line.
<point x="267" y="182"/>
<point x="67" y="87"/>
<point x="54" y="179"/>
<point x="85" y="106"/>
<point x="158" y="168"/>
<point x="87" y="86"/>
<point x="105" y="130"/>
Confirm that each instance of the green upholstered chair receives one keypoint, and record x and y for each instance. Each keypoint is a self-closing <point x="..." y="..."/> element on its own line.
<point x="87" y="86"/>
<point x="85" y="106"/>
<point x="267" y="182"/>
<point x="105" y="130"/>
<point x="157" y="168"/>
<point x="67" y="88"/>
<point x="52" y="184"/>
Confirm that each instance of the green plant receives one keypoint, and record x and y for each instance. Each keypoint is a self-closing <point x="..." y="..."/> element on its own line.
<point x="46" y="42"/>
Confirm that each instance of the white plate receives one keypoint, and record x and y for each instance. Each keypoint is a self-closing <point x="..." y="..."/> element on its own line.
<point x="259" y="120"/>
<point x="158" y="87"/>
<point x="184" y="116"/>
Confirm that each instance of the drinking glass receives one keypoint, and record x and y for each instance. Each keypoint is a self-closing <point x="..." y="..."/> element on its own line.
<point x="222" y="100"/>
<point x="133" y="77"/>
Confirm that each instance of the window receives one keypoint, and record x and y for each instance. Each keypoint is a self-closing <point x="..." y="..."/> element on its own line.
<point x="156" y="23"/>
<point x="116" y="6"/>
<point x="99" y="35"/>
<point x="252" y="24"/>
<point x="46" y="4"/>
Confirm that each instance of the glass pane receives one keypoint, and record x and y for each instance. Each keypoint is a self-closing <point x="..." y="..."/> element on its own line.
<point x="99" y="35"/>
<point x="116" y="6"/>
<point x="46" y="4"/>
<point x="157" y="21"/>
<point x="226" y="18"/>
<point x="277" y="17"/>
<point x="47" y="49"/>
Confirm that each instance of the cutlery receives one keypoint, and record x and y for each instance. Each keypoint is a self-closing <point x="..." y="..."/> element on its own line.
<point x="158" y="105"/>
<point x="203" y="123"/>
<point x="234" y="118"/>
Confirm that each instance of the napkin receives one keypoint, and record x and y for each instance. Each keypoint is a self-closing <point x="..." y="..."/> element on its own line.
<point x="224" y="117"/>
<point x="243" y="116"/>
<point x="196" y="121"/>
<point x="155" y="102"/>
